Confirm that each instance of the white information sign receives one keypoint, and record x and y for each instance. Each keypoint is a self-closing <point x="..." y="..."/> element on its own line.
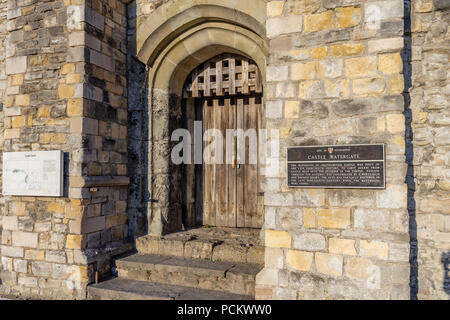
<point x="34" y="173"/>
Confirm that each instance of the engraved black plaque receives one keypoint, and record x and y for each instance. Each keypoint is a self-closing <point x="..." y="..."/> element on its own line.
<point x="347" y="166"/>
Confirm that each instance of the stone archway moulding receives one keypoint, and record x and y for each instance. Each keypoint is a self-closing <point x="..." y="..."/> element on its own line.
<point x="173" y="41"/>
<point x="177" y="16"/>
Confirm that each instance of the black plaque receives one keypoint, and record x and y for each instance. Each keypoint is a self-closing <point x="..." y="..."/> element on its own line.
<point x="347" y="166"/>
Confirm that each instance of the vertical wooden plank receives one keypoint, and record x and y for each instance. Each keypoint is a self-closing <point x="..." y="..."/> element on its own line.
<point x="232" y="222"/>
<point x="240" y="173"/>
<point x="219" y="78"/>
<point x="259" y="221"/>
<point x="221" y="183"/>
<point x="207" y="81"/>
<point x="232" y="75"/>
<point x="251" y="181"/>
<point x="199" y="171"/>
<point x="209" y="217"/>
<point x="258" y="81"/>
<point x="195" y="84"/>
<point x="245" y="88"/>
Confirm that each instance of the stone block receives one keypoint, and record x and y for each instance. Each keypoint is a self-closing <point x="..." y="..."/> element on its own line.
<point x="12" y="252"/>
<point x="395" y="123"/>
<point x="284" y="25"/>
<point x="399" y="252"/>
<point x="319" y="52"/>
<point x="337" y="88"/>
<point x="275" y="8"/>
<point x="396" y="84"/>
<point x="94" y="224"/>
<point x="375" y="249"/>
<point x="383" y="10"/>
<point x="277" y="73"/>
<point x="278" y="239"/>
<point x="358" y="268"/>
<point x="303" y="71"/>
<point x="20" y="266"/>
<point x="268" y="277"/>
<point x="28" y="282"/>
<point x="311" y="90"/>
<point x="369" y="87"/>
<point x="292" y="109"/>
<point x="16" y="65"/>
<point x="10" y="223"/>
<point x="336" y="218"/>
<point x="41" y="269"/>
<point x="303" y="6"/>
<point x="75" y="241"/>
<point x="342" y="246"/>
<point x="390" y="63"/>
<point x="299" y="260"/>
<point x="25" y="239"/>
<point x="66" y="91"/>
<point x="274" y="109"/>
<point x="309" y="218"/>
<point x="34" y="254"/>
<point x="309" y="241"/>
<point x="348" y="17"/>
<point x="361" y="67"/>
<point x="329" y="264"/>
<point x="394" y="197"/>
<point x="346" y="49"/>
<point x="319" y="21"/>
<point x="330" y="68"/>
<point x="385" y="45"/>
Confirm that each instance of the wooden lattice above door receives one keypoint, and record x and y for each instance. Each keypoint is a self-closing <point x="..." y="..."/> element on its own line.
<point x="225" y="74"/>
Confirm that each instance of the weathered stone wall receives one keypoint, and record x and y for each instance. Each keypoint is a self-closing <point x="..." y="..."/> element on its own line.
<point x="39" y="256"/>
<point x="66" y="90"/>
<point x="334" y="76"/>
<point x="430" y="96"/>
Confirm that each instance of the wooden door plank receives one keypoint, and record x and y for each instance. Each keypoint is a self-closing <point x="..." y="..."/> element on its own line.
<point x="219" y="78"/>
<point x="240" y="173"/>
<point x="259" y="220"/>
<point x="207" y="81"/>
<point x="221" y="183"/>
<point x="232" y="221"/>
<point x="251" y="169"/>
<point x="232" y="75"/>
<point x="208" y="170"/>
<point x="245" y="77"/>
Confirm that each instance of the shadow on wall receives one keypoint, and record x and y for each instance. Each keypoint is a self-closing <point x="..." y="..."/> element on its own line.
<point x="409" y="153"/>
<point x="446" y="263"/>
<point x="138" y="134"/>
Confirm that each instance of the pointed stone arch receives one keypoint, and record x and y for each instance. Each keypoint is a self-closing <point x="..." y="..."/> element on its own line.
<point x="173" y="41"/>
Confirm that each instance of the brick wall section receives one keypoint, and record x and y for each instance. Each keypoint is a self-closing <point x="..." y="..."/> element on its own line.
<point x="333" y="77"/>
<point x="430" y="96"/>
<point x="3" y="82"/>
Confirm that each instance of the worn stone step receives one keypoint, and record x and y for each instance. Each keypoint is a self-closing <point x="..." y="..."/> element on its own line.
<point x="204" y="274"/>
<point x="127" y="289"/>
<point x="193" y="246"/>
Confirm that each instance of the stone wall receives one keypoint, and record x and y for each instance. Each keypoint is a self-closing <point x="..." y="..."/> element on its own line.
<point x="66" y="90"/>
<point x="430" y="96"/>
<point x="334" y="76"/>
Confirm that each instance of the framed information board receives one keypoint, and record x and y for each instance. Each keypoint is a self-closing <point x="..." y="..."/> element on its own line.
<point x="361" y="166"/>
<point x="33" y="173"/>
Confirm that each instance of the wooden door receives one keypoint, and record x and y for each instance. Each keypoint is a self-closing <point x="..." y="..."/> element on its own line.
<point x="232" y="100"/>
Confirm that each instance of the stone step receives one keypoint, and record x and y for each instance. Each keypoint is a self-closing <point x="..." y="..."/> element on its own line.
<point x="203" y="274"/>
<point x="190" y="247"/>
<point x="127" y="289"/>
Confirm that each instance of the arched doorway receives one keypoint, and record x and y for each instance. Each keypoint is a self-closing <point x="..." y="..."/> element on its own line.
<point x="223" y="98"/>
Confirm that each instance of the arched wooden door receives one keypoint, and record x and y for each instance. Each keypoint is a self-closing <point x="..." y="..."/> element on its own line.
<point x="225" y="93"/>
